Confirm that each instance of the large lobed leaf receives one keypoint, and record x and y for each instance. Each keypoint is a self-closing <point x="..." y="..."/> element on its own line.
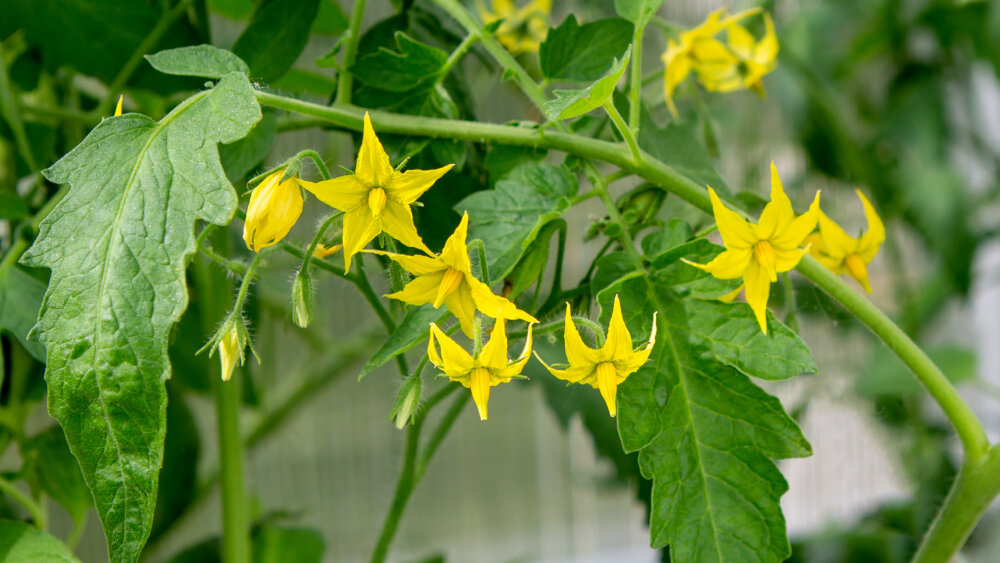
<point x="117" y="246"/>
<point x="583" y="52"/>
<point x="706" y="434"/>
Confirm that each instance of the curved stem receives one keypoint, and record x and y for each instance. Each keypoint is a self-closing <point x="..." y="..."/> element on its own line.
<point x="624" y="129"/>
<point x="33" y="508"/>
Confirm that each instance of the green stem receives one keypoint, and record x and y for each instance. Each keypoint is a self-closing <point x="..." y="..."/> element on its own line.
<point x="457" y="55"/>
<point x="635" y="82"/>
<point x="404" y="488"/>
<point x="623" y="128"/>
<point x="791" y="310"/>
<point x="346" y="79"/>
<point x="34" y="509"/>
<point x="314" y="156"/>
<point x="8" y="109"/>
<point x="130" y="66"/>
<point x="235" y="517"/>
<point x="975" y="487"/>
<point x="443" y="427"/>
<point x="484" y="268"/>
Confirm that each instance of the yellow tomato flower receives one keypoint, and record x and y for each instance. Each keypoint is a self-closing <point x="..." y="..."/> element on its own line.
<point x="758" y="253"/>
<point x="699" y="51"/>
<point x="757" y="57"/>
<point x="447" y="279"/>
<point x="274" y="207"/>
<point x="842" y="253"/>
<point x="491" y="367"/>
<point x="524" y="28"/>
<point x="376" y="198"/>
<point x="607" y="367"/>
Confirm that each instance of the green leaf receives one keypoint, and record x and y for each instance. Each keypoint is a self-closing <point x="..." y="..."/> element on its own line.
<point x="638" y="12"/>
<point x="412" y="330"/>
<point x="532" y="265"/>
<point x="330" y="20"/>
<point x="887" y="375"/>
<point x="178" y="482"/>
<point x="573" y="103"/>
<point x="199" y="60"/>
<point x="20" y="299"/>
<point x="244" y="155"/>
<point x="416" y="66"/>
<point x="706" y="434"/>
<point x="21" y="542"/>
<point x="12" y="206"/>
<point x="509" y="217"/>
<point x="117" y="246"/>
<point x="583" y="52"/>
<point x="276" y="36"/>
<point x="58" y="472"/>
<point x="677" y="144"/>
<point x="274" y="544"/>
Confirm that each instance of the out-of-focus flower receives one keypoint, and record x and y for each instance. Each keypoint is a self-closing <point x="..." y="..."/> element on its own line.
<point x="376" y="198"/>
<point x="758" y="253"/>
<point x="842" y="253"/>
<point x="447" y="279"/>
<point x="491" y="367"/>
<point x="523" y="29"/>
<point x="607" y="367"/>
<point x="274" y="208"/>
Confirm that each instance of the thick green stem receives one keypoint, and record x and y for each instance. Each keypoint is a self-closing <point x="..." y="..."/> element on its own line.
<point x="345" y="80"/>
<point x="791" y="309"/>
<point x="235" y="517"/>
<point x="635" y="82"/>
<point x="975" y="488"/>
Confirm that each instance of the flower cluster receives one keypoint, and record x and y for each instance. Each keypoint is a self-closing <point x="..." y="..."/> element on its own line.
<point x="738" y="63"/>
<point x="523" y="28"/>
<point x="375" y="199"/>
<point x="778" y="241"/>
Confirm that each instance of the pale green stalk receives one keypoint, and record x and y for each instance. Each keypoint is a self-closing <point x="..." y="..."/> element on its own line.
<point x="345" y="80"/>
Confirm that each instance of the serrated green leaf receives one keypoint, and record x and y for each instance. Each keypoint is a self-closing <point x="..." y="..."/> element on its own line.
<point x="706" y="434"/>
<point x="573" y="103"/>
<point x="509" y="217"/>
<point x="412" y="330"/>
<point x="638" y="12"/>
<point x="205" y="61"/>
<point x="275" y="37"/>
<point x="416" y="66"/>
<point x="677" y="144"/>
<point x="20" y="298"/>
<point x="21" y="542"/>
<point x="58" y="473"/>
<point x="583" y="52"/>
<point x="117" y="245"/>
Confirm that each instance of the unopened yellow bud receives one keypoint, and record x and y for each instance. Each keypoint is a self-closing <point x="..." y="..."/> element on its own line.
<point x="274" y="208"/>
<point x="376" y="201"/>
<point x="230" y="351"/>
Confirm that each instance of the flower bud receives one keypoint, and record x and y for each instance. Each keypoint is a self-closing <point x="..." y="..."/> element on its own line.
<point x="302" y="299"/>
<point x="274" y="208"/>
<point x="404" y="410"/>
<point x="231" y="350"/>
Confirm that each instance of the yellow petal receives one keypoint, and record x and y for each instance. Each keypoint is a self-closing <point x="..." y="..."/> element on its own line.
<point x="732" y="295"/>
<point x="397" y="222"/>
<point x="494" y="354"/>
<point x="800" y="227"/>
<point x="461" y="304"/>
<point x="872" y="240"/>
<point x="678" y="66"/>
<point x="619" y="340"/>
<point x="118" y="107"/>
<point x="515" y="367"/>
<point x="420" y="290"/>
<point x="455" y="253"/>
<point x="359" y="229"/>
<point x="373" y="166"/>
<point x="452" y="359"/>
<point x="629" y="363"/>
<point x="479" y="384"/>
<point x="767" y="49"/>
<point x="578" y="353"/>
<point x="764" y="256"/>
<point x="785" y="260"/>
<point x="728" y="265"/>
<point x="758" y="288"/>
<point x="450" y="281"/>
<point x="493" y="305"/>
<point x="405" y="188"/>
<point x="778" y="213"/>
<point x="273" y="209"/>
<point x="607" y="382"/>
<point x="741" y="41"/>
<point x="416" y="264"/>
<point x="836" y="241"/>
<point x="735" y="230"/>
<point x="579" y="374"/>
<point x="345" y="193"/>
<point x="856" y="267"/>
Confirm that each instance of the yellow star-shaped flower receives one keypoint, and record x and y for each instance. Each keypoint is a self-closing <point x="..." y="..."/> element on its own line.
<point x="447" y="279"/>
<point x="757" y="57"/>
<point x="274" y="208"/>
<point x="607" y="367"/>
<point x="842" y="253"/>
<point x="758" y="253"/>
<point x="491" y="367"/>
<point x="523" y="29"/>
<point x="376" y="198"/>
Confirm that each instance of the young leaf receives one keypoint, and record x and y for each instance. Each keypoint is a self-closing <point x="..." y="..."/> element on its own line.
<point x="677" y="144"/>
<point x="117" y="246"/>
<point x="574" y="103"/>
<point x="415" y="66"/>
<point x="583" y="52"/>
<point x="509" y="217"/>
<point x="276" y="36"/>
<point x="638" y="12"/>
<point x="413" y="329"/>
<point x="705" y="433"/>
<point x="198" y="60"/>
<point x="21" y="542"/>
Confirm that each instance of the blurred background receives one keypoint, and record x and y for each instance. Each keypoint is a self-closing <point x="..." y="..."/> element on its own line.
<point x="900" y="98"/>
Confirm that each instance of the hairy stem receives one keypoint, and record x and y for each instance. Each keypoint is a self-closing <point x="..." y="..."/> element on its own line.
<point x="346" y="80"/>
